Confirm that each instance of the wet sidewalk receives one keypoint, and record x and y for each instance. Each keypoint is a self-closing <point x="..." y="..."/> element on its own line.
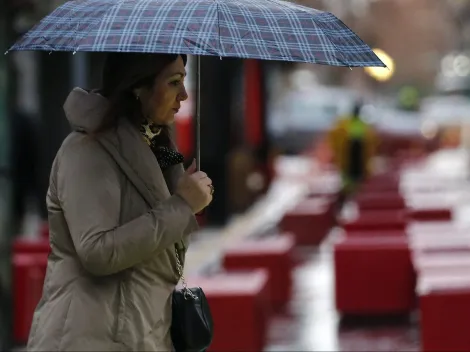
<point x="312" y="324"/>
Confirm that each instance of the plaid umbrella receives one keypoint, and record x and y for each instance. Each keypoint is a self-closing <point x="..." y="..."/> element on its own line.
<point x="250" y="29"/>
<point x="255" y="29"/>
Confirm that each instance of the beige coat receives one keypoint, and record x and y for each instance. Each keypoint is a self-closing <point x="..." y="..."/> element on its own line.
<point x="113" y="266"/>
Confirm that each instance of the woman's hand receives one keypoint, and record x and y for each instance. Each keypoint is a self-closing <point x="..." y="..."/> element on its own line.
<point x="195" y="188"/>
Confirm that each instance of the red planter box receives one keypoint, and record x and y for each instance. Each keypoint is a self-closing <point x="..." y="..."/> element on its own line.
<point x="275" y="254"/>
<point x="29" y="271"/>
<point x="239" y="304"/>
<point x="374" y="276"/>
<point x="310" y="221"/>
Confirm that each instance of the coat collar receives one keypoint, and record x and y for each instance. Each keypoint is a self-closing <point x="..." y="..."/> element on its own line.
<point x="126" y="144"/>
<point x="85" y="111"/>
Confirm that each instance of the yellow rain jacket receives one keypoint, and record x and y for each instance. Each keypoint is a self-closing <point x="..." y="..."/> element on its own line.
<point x="339" y="137"/>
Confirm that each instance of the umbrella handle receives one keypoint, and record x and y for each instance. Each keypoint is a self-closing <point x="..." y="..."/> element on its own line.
<point x="198" y="113"/>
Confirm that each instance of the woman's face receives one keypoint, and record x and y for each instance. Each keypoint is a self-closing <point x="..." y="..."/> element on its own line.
<point x="163" y="100"/>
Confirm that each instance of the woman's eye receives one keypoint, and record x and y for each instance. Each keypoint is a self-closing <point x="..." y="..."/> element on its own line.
<point x="175" y="83"/>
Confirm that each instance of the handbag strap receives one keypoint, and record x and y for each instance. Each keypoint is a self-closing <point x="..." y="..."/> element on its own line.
<point x="179" y="267"/>
<point x="187" y="293"/>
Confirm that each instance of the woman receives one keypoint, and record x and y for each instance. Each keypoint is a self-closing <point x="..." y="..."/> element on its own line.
<point x="119" y="202"/>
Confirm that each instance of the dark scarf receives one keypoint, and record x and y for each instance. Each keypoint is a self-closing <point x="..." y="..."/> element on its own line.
<point x="166" y="156"/>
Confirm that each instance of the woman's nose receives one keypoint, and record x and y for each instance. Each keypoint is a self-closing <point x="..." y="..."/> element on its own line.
<point x="183" y="95"/>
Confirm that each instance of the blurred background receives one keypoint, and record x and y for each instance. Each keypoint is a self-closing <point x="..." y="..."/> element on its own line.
<point x="270" y="143"/>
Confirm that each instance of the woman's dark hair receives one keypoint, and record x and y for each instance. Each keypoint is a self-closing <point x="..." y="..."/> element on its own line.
<point x="122" y="74"/>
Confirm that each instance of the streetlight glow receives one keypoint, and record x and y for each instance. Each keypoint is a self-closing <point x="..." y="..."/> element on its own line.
<point x="382" y="74"/>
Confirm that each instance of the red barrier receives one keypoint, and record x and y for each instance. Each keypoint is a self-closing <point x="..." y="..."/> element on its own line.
<point x="374" y="276"/>
<point x="444" y="302"/>
<point x="377" y="220"/>
<point x="430" y="214"/>
<point x="44" y="230"/>
<point x="380" y="201"/>
<point x="239" y="304"/>
<point x="31" y="246"/>
<point x="310" y="221"/>
<point x="29" y="271"/>
<point x="387" y="177"/>
<point x="376" y="233"/>
<point x="275" y="254"/>
<point x="381" y="183"/>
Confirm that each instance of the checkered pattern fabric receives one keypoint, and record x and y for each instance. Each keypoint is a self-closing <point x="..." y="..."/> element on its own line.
<point x="256" y="29"/>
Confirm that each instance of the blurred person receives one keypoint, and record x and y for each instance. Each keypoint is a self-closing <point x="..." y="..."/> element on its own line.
<point x="353" y="143"/>
<point x="113" y="265"/>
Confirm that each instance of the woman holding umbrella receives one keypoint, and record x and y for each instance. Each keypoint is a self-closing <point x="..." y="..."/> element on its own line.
<point x="118" y="198"/>
<point x="113" y="264"/>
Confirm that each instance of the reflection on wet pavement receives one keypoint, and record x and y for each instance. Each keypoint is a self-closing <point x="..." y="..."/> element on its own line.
<point x="312" y="324"/>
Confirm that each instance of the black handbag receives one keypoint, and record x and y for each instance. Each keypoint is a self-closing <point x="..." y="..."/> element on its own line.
<point x="192" y="325"/>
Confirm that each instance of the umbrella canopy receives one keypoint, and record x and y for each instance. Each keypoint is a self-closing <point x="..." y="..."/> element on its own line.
<point x="252" y="29"/>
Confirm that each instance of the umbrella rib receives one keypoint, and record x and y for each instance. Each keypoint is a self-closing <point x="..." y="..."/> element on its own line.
<point x="300" y="8"/>
<point x="303" y="9"/>
<point x="239" y="39"/>
<point x="97" y="23"/>
<point x="343" y="61"/>
<point x="359" y="38"/>
<point x="218" y="27"/>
